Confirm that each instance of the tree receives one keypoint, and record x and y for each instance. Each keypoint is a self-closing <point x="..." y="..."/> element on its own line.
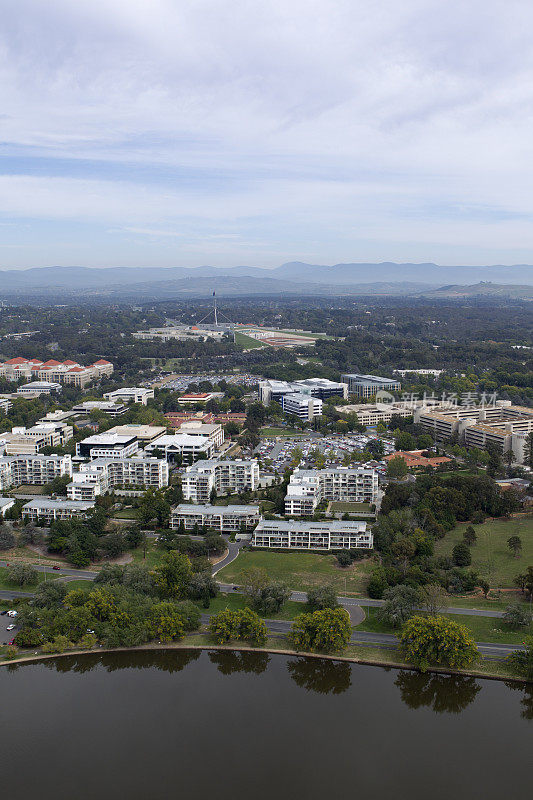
<point x="7" y="538"/>
<point x="203" y="586"/>
<point x="344" y="558"/>
<point x="271" y="598"/>
<point x="49" y="594"/>
<point x="377" y="583"/>
<point x="173" y="575"/>
<point x="528" y="450"/>
<point x="251" y="628"/>
<point x="327" y="631"/>
<point x="515" y="545"/>
<point x="433" y="598"/>
<point x="405" y="441"/>
<point x="165" y="622"/>
<point x="522" y="660"/>
<point x="470" y="536"/>
<point x="400" y="603"/>
<point x="224" y="626"/>
<point x="397" y="468"/>
<point x="428" y="641"/>
<point x="22" y="574"/>
<point x="515" y="616"/>
<point x="322" y="597"/>
<point x="461" y="555"/>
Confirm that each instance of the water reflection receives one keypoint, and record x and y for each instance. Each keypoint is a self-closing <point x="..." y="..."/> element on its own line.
<point x="228" y="661"/>
<point x="321" y="675"/>
<point x="449" y="694"/>
<point x="527" y="700"/>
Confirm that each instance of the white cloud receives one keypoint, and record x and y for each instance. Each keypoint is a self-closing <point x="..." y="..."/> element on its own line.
<point x="354" y="120"/>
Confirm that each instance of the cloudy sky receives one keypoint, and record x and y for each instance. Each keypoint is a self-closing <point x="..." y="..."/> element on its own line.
<point x="188" y="132"/>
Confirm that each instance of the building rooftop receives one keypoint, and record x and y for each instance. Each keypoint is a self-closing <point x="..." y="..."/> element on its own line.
<point x="183" y="508"/>
<point x="74" y="505"/>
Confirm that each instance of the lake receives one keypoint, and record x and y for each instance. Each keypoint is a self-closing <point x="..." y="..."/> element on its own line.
<point x="213" y="724"/>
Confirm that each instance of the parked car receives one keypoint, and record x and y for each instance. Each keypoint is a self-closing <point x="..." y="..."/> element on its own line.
<point x="11" y="627"/>
<point x="56" y="567"/>
<point x="12" y="613"/>
<point x="3" y="613"/>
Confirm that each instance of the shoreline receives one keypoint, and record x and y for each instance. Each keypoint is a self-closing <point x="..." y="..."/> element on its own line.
<point x="372" y="662"/>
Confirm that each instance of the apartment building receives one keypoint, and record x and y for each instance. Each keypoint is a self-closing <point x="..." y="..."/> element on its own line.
<point x="334" y="535"/>
<point x="188" y="448"/>
<point x="177" y="418"/>
<point x="272" y="390"/>
<point x="224" y="519"/>
<point x="303" y="406"/>
<point x="56" y="434"/>
<point x="67" y="372"/>
<point x="225" y="476"/>
<point x="35" y="470"/>
<point x="307" y="488"/>
<point x="132" y="394"/>
<point x="107" y="445"/>
<point x="105" y="474"/>
<point x="5" y="504"/>
<point x="504" y="425"/>
<point x="48" y="511"/>
<point x="368" y="385"/>
<point x="5" y="405"/>
<point x="213" y="432"/>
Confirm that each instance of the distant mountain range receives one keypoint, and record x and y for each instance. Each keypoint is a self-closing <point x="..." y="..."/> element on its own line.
<point x="156" y="283"/>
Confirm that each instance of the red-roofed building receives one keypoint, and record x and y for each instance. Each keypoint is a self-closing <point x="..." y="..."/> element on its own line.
<point x="199" y="397"/>
<point x="67" y="372"/>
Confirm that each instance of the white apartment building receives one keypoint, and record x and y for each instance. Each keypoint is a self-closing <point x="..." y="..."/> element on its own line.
<point x="105" y="474"/>
<point x="213" y="433"/>
<point x="38" y="387"/>
<point x="334" y="535"/>
<point x="224" y="519"/>
<point x="225" y="476"/>
<point x="35" y="470"/>
<point x="302" y="405"/>
<point x="107" y="445"/>
<point x="188" y="447"/>
<point x="5" y="405"/>
<point x="132" y="394"/>
<point x="56" y="434"/>
<point x="49" y="511"/>
<point x="368" y="385"/>
<point x="307" y="488"/>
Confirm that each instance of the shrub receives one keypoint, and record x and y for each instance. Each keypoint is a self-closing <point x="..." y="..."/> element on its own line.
<point x="427" y="641"/>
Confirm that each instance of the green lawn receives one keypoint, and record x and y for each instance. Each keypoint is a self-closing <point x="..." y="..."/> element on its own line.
<point x="234" y="602"/>
<point x="154" y="555"/>
<point x="126" y="513"/>
<point x="81" y="584"/>
<point x="484" y="629"/>
<point x="302" y="571"/>
<point x="247" y="342"/>
<point x="491" y="556"/>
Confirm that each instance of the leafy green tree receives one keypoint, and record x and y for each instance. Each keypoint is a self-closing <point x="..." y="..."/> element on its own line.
<point x="515" y="616"/>
<point x="173" y="575"/>
<point x="470" y="536"/>
<point x="7" y="538"/>
<point x="397" y="468"/>
<point x="224" y="626"/>
<point x="322" y="597"/>
<point x="50" y="594"/>
<point x="461" y="555"/>
<point x="432" y="598"/>
<point x="377" y="583"/>
<point x="22" y="575"/>
<point x="428" y="641"/>
<point x="400" y="603"/>
<point x="525" y="582"/>
<point x="344" y="558"/>
<point x="251" y="628"/>
<point x="165" y="622"/>
<point x="327" y="631"/>
<point x="522" y="660"/>
<point x="515" y="545"/>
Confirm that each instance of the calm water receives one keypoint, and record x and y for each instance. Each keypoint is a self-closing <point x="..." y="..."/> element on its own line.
<point x="229" y="725"/>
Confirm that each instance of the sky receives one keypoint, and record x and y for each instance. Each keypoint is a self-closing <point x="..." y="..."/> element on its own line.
<point x="192" y="132"/>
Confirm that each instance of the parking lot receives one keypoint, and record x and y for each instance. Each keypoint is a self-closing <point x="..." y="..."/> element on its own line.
<point x="277" y="454"/>
<point x="5" y="635"/>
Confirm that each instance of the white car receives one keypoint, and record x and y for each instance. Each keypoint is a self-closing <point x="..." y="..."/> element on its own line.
<point x="12" y="613"/>
<point x="10" y="627"/>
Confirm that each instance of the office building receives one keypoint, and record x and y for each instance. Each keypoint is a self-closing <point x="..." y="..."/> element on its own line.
<point x="107" y="445"/>
<point x="131" y="395"/>
<point x="182" y="447"/>
<point x="144" y="433"/>
<point x="274" y="391"/>
<point x="334" y="535"/>
<point x="36" y="388"/>
<point x="368" y="385"/>
<point x="303" y="406"/>
<point x="109" y="408"/>
<point x="67" y="372"/>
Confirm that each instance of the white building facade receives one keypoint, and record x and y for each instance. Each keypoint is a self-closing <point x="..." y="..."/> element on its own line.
<point x="334" y="535"/>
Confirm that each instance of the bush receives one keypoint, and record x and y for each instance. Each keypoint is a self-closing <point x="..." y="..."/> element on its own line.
<point x="400" y="602"/>
<point x="7" y="538"/>
<point x="461" y="555"/>
<point x="327" y="631"/>
<point x="516" y="617"/>
<point x="11" y="652"/>
<point x="377" y="583"/>
<point x="22" y="575"/>
<point x="322" y="597"/>
<point x="344" y="558"/>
